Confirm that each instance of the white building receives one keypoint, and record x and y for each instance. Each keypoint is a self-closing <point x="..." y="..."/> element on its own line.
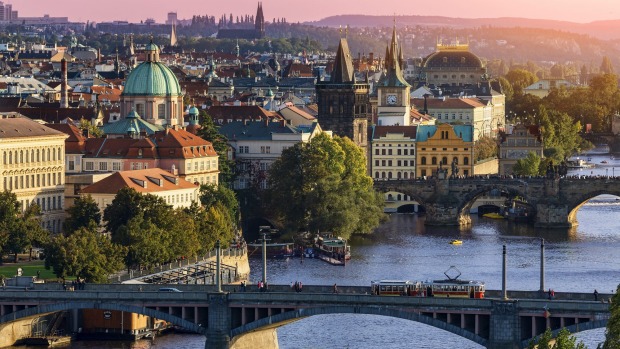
<point x="33" y="166"/>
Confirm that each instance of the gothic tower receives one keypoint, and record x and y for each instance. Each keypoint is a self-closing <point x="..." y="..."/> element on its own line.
<point x="259" y="23"/>
<point x="393" y="106"/>
<point x="344" y="102"/>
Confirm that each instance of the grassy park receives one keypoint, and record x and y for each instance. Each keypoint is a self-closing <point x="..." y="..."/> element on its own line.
<point x="28" y="269"/>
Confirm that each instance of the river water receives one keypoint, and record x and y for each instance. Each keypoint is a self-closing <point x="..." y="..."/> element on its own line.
<point x="582" y="259"/>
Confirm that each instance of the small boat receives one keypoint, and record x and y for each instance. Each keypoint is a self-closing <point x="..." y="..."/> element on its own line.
<point x="493" y="215"/>
<point x="604" y="162"/>
<point x="456" y="242"/>
<point x="335" y="250"/>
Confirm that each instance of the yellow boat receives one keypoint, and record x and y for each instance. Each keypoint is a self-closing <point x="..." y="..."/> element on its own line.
<point x="456" y="242"/>
<point x="493" y="215"/>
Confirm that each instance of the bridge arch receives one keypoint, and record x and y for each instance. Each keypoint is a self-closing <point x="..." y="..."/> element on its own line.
<point x="584" y="326"/>
<point x="298" y="314"/>
<point x="469" y="199"/>
<point x="64" y="306"/>
<point x="579" y="201"/>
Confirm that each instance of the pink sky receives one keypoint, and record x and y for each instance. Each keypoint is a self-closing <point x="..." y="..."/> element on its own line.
<point x="309" y="10"/>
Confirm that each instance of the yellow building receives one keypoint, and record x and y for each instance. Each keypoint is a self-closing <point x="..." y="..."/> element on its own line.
<point x="441" y="146"/>
<point x="33" y="166"/>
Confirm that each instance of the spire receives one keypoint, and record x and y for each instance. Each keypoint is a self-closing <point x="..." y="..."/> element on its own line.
<point x="343" y="66"/>
<point x="173" y="35"/>
<point x="393" y="63"/>
<point x="259" y="23"/>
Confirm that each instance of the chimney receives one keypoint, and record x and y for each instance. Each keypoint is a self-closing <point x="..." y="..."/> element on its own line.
<point x="64" y="99"/>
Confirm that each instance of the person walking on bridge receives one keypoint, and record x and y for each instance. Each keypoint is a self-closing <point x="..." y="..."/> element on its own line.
<point x="335" y="288"/>
<point x="595" y="295"/>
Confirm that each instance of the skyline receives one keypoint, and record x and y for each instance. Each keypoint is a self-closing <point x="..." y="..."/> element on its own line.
<point x="305" y="11"/>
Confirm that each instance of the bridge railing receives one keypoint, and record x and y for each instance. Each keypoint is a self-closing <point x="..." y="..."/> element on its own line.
<point x="210" y="256"/>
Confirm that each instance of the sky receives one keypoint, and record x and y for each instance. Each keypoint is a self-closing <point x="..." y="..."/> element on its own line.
<point x="310" y="10"/>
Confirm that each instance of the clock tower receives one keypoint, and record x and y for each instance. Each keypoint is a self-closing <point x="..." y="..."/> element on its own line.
<point x="393" y="91"/>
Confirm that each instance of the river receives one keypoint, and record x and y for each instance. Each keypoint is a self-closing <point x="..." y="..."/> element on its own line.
<point x="581" y="259"/>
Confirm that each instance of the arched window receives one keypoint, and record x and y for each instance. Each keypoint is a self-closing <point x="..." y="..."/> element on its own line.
<point x="4" y="157"/>
<point x="423" y="160"/>
<point x="398" y="175"/>
<point x="59" y="154"/>
<point x="434" y="161"/>
<point x="377" y="174"/>
<point x="455" y="160"/>
<point x="399" y="197"/>
<point x="32" y="155"/>
<point x="10" y="158"/>
<point x="21" y="156"/>
<point x="382" y="174"/>
<point x="48" y="154"/>
<point x="405" y="175"/>
<point x="444" y="160"/>
<point x="466" y="161"/>
<point x="38" y="155"/>
<point x="389" y="175"/>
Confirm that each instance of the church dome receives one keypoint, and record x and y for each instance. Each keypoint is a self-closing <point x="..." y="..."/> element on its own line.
<point x="152" y="78"/>
<point x="453" y="59"/>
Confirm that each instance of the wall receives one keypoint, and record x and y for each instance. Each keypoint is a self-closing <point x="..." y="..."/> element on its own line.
<point x="486" y="167"/>
<point x="11" y="332"/>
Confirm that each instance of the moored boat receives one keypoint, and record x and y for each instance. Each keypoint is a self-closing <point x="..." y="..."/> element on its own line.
<point x="333" y="248"/>
<point x="493" y="215"/>
<point x="274" y="250"/>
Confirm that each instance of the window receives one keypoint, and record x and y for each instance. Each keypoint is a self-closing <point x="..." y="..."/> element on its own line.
<point x="423" y="160"/>
<point x="466" y="161"/>
<point x="140" y="109"/>
<point x="376" y="153"/>
<point x="116" y="166"/>
<point x="103" y="166"/>
<point x="88" y="166"/>
<point x="161" y="111"/>
<point x="433" y="161"/>
<point x="71" y="166"/>
<point x="376" y="162"/>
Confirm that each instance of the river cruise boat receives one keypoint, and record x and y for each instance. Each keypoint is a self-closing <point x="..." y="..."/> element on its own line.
<point x="332" y="247"/>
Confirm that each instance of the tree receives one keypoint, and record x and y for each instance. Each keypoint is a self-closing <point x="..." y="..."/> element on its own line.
<point x="612" y="334"/>
<point x="19" y="231"/>
<point x="560" y="131"/>
<point x="564" y="340"/>
<point x="485" y="148"/>
<point x="322" y="186"/>
<point x="520" y="79"/>
<point x="606" y="66"/>
<point x="528" y="166"/>
<point x="92" y="129"/>
<point x="209" y="131"/>
<point x="211" y="195"/>
<point x="83" y="214"/>
<point x="85" y="254"/>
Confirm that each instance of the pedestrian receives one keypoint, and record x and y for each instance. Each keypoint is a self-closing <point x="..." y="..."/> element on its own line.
<point x="595" y="295"/>
<point x="335" y="288"/>
<point x="3" y="283"/>
<point x="549" y="294"/>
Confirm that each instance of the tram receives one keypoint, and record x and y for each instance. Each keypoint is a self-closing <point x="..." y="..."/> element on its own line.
<point x="450" y="287"/>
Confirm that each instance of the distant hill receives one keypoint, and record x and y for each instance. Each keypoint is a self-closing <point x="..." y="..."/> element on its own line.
<point x="605" y="30"/>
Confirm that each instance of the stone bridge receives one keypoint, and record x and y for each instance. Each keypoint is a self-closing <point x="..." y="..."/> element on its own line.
<point x="554" y="201"/>
<point x="226" y="317"/>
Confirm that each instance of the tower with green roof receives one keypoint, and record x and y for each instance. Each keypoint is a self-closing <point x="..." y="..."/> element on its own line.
<point x="153" y="91"/>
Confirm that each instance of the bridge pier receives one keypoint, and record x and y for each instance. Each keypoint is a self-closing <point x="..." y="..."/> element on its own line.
<point x="505" y="326"/>
<point x="218" y="333"/>
<point x="442" y="214"/>
<point x="554" y="216"/>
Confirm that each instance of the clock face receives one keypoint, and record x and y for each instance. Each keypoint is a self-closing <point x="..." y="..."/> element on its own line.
<point x="391" y="99"/>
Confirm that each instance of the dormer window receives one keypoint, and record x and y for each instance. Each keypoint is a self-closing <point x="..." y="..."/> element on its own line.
<point x="139" y="153"/>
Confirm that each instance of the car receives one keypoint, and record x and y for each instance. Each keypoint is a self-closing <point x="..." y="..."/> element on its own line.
<point x="169" y="289"/>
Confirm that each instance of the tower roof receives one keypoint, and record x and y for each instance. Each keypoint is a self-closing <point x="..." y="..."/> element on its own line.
<point x="343" y="67"/>
<point x="393" y="60"/>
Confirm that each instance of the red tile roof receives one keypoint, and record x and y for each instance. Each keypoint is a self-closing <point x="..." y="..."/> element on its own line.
<point x="151" y="180"/>
<point x="407" y="131"/>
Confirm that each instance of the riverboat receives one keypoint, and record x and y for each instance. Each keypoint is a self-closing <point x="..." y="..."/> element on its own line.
<point x="493" y="215"/>
<point x="456" y="242"/>
<point x="578" y="163"/>
<point x="276" y="250"/>
<point x="332" y="247"/>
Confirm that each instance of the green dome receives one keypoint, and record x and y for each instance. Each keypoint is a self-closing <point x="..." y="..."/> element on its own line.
<point x="193" y="111"/>
<point x="152" y="79"/>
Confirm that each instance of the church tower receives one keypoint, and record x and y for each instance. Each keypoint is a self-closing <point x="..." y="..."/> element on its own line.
<point x="344" y="102"/>
<point x="259" y="23"/>
<point x="393" y="107"/>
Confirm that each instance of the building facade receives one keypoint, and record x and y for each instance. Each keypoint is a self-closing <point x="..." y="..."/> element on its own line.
<point x="441" y="146"/>
<point x="33" y="167"/>
<point x="392" y="150"/>
<point x="516" y="143"/>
